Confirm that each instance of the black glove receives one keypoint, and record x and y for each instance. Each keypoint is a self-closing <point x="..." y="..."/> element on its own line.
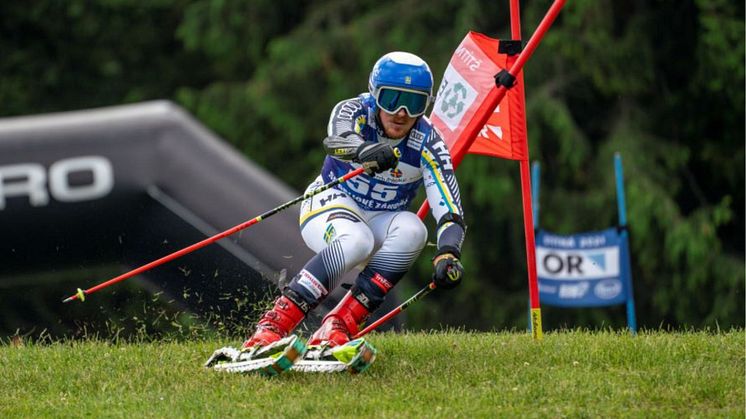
<point x="448" y="271"/>
<point x="377" y="157"/>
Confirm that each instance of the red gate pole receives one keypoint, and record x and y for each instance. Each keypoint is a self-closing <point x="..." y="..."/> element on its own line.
<point x="528" y="221"/>
<point x="492" y="100"/>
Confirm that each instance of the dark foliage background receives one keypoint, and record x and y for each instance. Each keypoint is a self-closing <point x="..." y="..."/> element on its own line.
<point x="662" y="82"/>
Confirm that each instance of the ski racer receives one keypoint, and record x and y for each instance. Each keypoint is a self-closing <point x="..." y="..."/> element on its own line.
<point x="365" y="221"/>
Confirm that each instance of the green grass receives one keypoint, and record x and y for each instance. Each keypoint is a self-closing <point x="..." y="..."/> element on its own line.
<point x="450" y="374"/>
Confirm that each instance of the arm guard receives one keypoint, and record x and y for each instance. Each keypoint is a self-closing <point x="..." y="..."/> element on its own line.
<point x="450" y="233"/>
<point x="343" y="131"/>
<point x="343" y="146"/>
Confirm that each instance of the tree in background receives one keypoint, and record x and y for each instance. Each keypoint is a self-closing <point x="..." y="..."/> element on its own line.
<point x="662" y="83"/>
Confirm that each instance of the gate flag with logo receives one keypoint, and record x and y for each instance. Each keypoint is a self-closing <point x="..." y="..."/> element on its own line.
<point x="461" y="100"/>
<point x="590" y="269"/>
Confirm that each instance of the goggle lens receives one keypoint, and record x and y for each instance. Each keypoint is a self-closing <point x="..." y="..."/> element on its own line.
<point x="391" y="100"/>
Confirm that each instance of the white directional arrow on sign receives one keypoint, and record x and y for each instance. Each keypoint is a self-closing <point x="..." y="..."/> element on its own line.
<point x="496" y="130"/>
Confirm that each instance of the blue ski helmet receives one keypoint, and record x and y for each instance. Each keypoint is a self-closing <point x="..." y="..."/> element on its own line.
<point x="401" y="80"/>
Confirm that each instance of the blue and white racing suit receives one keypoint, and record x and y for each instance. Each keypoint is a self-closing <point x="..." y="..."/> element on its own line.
<point x="365" y="221"/>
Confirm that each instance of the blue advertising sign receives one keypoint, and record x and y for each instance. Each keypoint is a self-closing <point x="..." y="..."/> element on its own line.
<point x="582" y="270"/>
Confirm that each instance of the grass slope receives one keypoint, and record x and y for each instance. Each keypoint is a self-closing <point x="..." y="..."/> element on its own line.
<point x="447" y="374"/>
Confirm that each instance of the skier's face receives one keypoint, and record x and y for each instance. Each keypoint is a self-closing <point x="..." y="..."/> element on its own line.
<point x="396" y="126"/>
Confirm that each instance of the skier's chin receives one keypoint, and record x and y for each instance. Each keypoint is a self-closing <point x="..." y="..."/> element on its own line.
<point x="397" y="131"/>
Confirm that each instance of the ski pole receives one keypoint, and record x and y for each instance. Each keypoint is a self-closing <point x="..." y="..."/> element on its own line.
<point x="421" y="293"/>
<point x="81" y="294"/>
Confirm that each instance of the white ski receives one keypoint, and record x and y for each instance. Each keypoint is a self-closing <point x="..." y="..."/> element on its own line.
<point x="319" y="366"/>
<point x="290" y="354"/>
<point x="270" y="360"/>
<point x="244" y="366"/>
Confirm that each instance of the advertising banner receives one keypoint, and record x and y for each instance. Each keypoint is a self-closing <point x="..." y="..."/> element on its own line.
<point x="582" y="270"/>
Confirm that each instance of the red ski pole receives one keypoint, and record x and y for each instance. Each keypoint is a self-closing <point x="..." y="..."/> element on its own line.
<point x="421" y="293"/>
<point x="81" y="294"/>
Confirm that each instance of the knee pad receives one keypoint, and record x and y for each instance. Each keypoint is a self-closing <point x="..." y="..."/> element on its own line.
<point x="410" y="231"/>
<point x="357" y="245"/>
<point x="417" y="234"/>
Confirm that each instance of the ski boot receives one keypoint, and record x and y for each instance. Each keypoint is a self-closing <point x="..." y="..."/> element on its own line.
<point x="340" y="324"/>
<point x="269" y="350"/>
<point x="330" y="348"/>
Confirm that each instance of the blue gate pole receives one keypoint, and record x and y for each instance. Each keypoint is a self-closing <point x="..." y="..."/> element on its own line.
<point x="622" y="206"/>
<point x="535" y="178"/>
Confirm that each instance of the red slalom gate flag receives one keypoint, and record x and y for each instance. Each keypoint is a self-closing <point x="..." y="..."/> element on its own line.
<point x="460" y="103"/>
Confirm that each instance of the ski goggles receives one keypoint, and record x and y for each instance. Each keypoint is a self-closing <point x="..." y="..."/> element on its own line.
<point x="391" y="100"/>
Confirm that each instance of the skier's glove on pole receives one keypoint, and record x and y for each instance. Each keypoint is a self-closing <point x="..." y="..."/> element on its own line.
<point x="377" y="157"/>
<point x="448" y="271"/>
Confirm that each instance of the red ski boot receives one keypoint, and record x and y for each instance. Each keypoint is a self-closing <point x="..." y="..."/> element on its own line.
<point x="340" y="324"/>
<point x="330" y="348"/>
<point x="276" y="323"/>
